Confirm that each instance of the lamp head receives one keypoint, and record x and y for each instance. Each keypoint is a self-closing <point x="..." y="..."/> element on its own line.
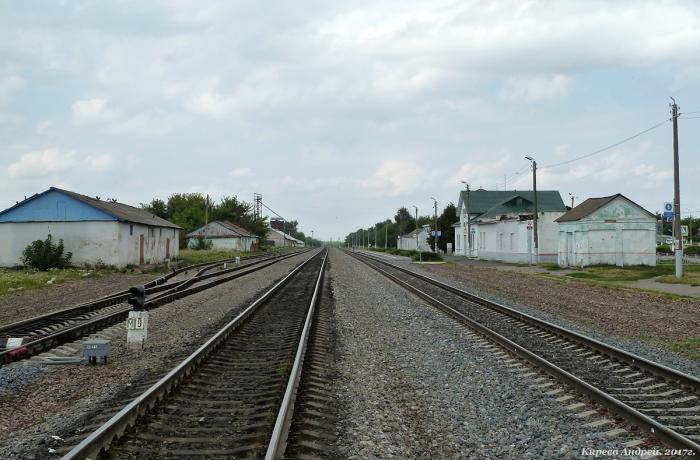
<point x="529" y="158"/>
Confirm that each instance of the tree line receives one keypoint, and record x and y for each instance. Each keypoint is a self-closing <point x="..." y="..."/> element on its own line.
<point x="385" y="233"/>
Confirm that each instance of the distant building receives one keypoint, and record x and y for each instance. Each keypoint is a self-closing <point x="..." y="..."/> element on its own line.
<point x="611" y="230"/>
<point x="414" y="241"/>
<point x="280" y="239"/>
<point x="94" y="230"/>
<point x="224" y="235"/>
<point x="502" y="221"/>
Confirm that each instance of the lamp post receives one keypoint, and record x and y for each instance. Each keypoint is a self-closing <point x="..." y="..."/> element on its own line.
<point x="469" y="224"/>
<point x="534" y="202"/>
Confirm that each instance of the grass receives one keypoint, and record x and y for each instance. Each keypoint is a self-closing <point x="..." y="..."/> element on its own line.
<point x="550" y="267"/>
<point x="190" y="256"/>
<point x="691" y="275"/>
<point x="611" y="273"/>
<point x="283" y="370"/>
<point x="13" y="280"/>
<point x="688" y="347"/>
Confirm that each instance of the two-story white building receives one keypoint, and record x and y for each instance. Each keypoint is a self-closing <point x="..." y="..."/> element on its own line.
<point x="501" y="224"/>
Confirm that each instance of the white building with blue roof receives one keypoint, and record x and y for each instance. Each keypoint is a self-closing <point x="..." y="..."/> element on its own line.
<point x="96" y="231"/>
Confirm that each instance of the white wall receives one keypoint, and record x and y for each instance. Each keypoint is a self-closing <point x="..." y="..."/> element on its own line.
<point x="155" y="240"/>
<point x="228" y="244"/>
<point x="507" y="241"/>
<point x="620" y="233"/>
<point x="91" y="242"/>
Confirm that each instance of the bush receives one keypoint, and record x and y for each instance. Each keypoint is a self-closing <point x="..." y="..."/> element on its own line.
<point x="691" y="249"/>
<point x="43" y="255"/>
<point x="426" y="257"/>
<point x="665" y="248"/>
<point x="202" y="244"/>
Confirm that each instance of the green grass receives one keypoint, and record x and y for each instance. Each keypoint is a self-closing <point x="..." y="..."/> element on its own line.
<point x="550" y="267"/>
<point x="14" y="280"/>
<point x="691" y="275"/>
<point x="688" y="347"/>
<point x="190" y="256"/>
<point x="633" y="273"/>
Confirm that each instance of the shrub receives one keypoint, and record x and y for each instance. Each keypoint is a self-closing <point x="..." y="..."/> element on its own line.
<point x="691" y="249"/>
<point x="202" y="244"/>
<point x="43" y="255"/>
<point x="426" y="257"/>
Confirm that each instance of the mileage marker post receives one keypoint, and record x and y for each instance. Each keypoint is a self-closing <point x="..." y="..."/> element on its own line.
<point x="137" y="322"/>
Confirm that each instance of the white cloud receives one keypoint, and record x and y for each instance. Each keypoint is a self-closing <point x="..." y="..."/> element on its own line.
<point x="54" y="161"/>
<point x="241" y="172"/>
<point x="536" y="88"/>
<point x="9" y="85"/>
<point x="92" y="111"/>
<point x="43" y="126"/>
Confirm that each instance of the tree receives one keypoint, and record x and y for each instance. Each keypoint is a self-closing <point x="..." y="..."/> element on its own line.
<point x="157" y="207"/>
<point x="404" y="220"/>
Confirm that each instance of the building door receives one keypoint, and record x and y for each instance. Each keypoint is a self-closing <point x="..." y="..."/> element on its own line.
<point x="167" y="248"/>
<point x="141" y="250"/>
<point x="569" y="249"/>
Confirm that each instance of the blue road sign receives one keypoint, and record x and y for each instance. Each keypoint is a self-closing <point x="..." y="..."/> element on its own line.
<point x="668" y="211"/>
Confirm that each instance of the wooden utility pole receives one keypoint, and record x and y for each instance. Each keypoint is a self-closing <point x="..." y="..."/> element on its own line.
<point x="678" y="243"/>
<point x="534" y="202"/>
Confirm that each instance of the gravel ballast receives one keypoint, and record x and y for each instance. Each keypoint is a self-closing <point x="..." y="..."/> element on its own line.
<point x="414" y="383"/>
<point x="58" y="398"/>
<point x="23" y="305"/>
<point x="636" y="321"/>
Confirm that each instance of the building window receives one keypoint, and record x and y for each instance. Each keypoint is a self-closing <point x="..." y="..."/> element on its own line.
<point x="160" y="232"/>
<point x="131" y="230"/>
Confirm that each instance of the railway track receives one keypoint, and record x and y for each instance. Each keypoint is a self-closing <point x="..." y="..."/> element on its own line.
<point x="52" y="329"/>
<point x="232" y="398"/>
<point x="659" y="400"/>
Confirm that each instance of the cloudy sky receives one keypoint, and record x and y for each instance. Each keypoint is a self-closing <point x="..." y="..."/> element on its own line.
<point x="340" y="112"/>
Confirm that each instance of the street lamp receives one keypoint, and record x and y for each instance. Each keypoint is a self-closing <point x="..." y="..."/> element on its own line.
<point x="534" y="200"/>
<point x="469" y="224"/>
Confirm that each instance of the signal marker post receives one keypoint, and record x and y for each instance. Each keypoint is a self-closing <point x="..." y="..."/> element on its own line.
<point x="137" y="323"/>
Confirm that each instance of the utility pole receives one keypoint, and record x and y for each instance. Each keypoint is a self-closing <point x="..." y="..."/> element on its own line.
<point x="678" y="239"/>
<point x="420" y="258"/>
<point x="375" y="236"/>
<point x="386" y="233"/>
<point x="435" y="238"/>
<point x="469" y="224"/>
<point x="534" y="201"/>
<point x="206" y="211"/>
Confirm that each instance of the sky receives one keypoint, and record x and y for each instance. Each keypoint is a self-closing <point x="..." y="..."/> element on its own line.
<point x="338" y="113"/>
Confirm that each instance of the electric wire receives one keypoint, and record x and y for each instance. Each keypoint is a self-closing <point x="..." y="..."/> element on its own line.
<point x="588" y="155"/>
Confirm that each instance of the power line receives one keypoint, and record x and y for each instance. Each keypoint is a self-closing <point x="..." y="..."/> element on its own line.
<point x="688" y="118"/>
<point x="686" y="113"/>
<point x="627" y="139"/>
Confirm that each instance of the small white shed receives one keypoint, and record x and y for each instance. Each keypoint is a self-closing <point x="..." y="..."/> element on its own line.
<point x="225" y="235"/>
<point x="611" y="230"/>
<point x="416" y="240"/>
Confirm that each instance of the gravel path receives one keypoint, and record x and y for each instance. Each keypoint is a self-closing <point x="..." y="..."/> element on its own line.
<point x="54" y="400"/>
<point x="415" y="384"/>
<point x="639" y="322"/>
<point x="23" y="305"/>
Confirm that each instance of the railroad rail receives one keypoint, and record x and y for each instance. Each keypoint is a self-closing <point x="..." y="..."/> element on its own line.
<point x="55" y="328"/>
<point x="234" y="396"/>
<point x="660" y="400"/>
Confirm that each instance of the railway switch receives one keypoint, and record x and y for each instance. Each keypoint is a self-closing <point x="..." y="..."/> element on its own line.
<point x="96" y="350"/>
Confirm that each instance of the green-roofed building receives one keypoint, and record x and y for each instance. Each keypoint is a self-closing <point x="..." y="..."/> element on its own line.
<point x="501" y="224"/>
